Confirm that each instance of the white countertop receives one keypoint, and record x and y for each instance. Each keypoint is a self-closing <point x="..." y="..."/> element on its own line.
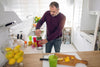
<point x="30" y="50"/>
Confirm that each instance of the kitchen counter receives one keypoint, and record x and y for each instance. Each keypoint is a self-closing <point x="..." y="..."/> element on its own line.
<point x="30" y="50"/>
<point x="33" y="60"/>
<point x="89" y="32"/>
<point x="93" y="58"/>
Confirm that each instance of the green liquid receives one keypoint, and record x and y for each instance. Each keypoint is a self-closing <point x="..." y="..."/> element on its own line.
<point x="53" y="61"/>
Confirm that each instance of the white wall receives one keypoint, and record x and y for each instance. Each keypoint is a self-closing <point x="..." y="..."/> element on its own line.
<point x="33" y="8"/>
<point x="94" y="5"/>
<point x="26" y="10"/>
<point x="23" y="8"/>
<point x="87" y="20"/>
<point x="66" y="7"/>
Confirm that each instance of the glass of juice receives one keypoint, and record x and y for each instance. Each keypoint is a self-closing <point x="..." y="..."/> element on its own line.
<point x="53" y="60"/>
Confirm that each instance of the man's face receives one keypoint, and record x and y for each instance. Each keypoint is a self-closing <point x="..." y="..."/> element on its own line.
<point x="53" y="11"/>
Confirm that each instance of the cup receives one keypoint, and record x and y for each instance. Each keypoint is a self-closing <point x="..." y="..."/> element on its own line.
<point x="53" y="60"/>
<point x="30" y="38"/>
<point x="34" y="39"/>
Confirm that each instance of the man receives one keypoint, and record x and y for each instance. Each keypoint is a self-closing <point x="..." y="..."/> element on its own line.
<point x="55" y="22"/>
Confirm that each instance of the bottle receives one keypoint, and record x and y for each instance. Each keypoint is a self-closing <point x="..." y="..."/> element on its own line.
<point x="25" y="44"/>
<point x="35" y="42"/>
<point x="39" y="46"/>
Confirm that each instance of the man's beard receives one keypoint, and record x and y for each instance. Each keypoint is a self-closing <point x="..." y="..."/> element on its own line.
<point x="54" y="15"/>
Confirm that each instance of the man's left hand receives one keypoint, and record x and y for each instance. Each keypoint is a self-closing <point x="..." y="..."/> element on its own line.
<point x="44" y="41"/>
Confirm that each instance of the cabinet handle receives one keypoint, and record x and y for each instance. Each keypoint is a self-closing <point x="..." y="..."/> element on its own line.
<point x="88" y="41"/>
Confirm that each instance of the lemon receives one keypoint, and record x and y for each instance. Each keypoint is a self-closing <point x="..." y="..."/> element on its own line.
<point x="16" y="50"/>
<point x="17" y="47"/>
<point x="16" y="56"/>
<point x="8" y="49"/>
<point x="7" y="57"/>
<point x="67" y="59"/>
<point x="11" y="61"/>
<point x="9" y="54"/>
<point x="21" y="53"/>
<point x="19" y="59"/>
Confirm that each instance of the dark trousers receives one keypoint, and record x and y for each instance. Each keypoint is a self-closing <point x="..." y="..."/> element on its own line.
<point x="56" y="43"/>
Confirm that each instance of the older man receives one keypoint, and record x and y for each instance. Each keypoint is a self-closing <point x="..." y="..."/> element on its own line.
<point x="55" y="22"/>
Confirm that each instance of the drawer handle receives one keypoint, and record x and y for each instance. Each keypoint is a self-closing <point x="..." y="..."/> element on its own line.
<point x="88" y="41"/>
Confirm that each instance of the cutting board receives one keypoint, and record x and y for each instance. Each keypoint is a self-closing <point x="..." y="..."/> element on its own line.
<point x="46" y="63"/>
<point x="72" y="60"/>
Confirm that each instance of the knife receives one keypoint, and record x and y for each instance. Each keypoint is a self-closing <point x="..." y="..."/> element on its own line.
<point x="48" y="59"/>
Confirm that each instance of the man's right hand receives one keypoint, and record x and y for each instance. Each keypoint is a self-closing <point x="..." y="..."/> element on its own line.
<point x="38" y="32"/>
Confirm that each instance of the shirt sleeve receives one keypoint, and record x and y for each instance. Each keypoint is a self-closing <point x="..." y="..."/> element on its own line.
<point x="59" y="29"/>
<point x="41" y="21"/>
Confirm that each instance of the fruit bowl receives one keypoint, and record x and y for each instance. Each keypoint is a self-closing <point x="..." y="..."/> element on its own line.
<point x="14" y="56"/>
<point x="15" y="65"/>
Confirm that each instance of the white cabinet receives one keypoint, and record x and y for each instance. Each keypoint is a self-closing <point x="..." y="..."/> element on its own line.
<point x="87" y="43"/>
<point x="85" y="26"/>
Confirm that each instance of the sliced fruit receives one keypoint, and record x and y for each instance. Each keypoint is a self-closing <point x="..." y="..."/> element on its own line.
<point x="72" y="57"/>
<point x="67" y="59"/>
<point x="60" y="59"/>
<point x="30" y="43"/>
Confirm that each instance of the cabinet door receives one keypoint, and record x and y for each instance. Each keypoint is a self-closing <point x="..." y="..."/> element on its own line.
<point x="78" y="42"/>
<point x="88" y="45"/>
<point x="84" y="44"/>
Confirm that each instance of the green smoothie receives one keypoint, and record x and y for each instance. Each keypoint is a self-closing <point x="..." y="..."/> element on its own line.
<point x="53" y="60"/>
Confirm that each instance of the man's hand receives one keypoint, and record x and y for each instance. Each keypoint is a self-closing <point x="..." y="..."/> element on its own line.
<point x="44" y="41"/>
<point x="38" y="32"/>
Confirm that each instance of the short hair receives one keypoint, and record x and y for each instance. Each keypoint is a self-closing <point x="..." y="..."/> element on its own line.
<point x="54" y="4"/>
